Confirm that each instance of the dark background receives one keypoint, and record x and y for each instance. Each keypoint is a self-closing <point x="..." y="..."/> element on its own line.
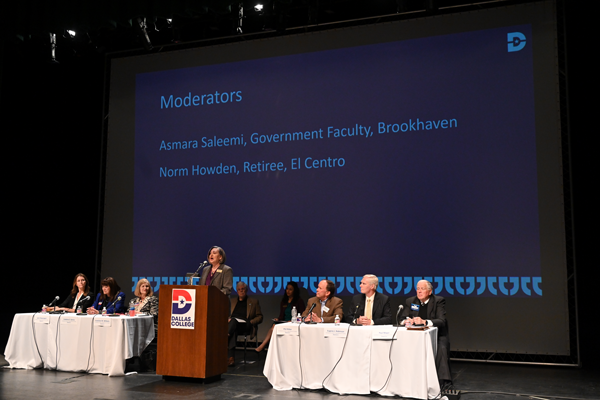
<point x="52" y="118"/>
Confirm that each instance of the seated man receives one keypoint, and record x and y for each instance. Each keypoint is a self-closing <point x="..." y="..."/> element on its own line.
<point x="430" y="310"/>
<point x="326" y="305"/>
<point x="370" y="307"/>
<point x="245" y="315"/>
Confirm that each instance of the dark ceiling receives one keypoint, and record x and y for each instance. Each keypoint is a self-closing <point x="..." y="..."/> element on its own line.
<point x="150" y="25"/>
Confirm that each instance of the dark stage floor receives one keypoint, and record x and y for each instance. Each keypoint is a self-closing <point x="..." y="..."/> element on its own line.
<point x="246" y="382"/>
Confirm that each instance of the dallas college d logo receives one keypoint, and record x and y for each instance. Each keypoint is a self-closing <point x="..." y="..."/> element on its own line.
<point x="184" y="308"/>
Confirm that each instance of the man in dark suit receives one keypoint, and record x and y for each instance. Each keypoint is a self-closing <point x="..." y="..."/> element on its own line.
<point x="245" y="315"/>
<point x="430" y="310"/>
<point x="327" y="306"/>
<point x="370" y="307"/>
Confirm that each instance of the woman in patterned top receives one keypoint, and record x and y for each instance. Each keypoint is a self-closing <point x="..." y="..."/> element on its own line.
<point x="144" y="300"/>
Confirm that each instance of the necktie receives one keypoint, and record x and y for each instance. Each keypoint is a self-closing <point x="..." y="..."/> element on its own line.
<point x="368" y="312"/>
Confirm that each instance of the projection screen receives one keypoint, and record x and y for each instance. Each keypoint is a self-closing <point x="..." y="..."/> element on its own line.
<point x="426" y="148"/>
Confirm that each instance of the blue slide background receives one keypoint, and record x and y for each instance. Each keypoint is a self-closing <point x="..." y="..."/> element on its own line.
<point x="449" y="203"/>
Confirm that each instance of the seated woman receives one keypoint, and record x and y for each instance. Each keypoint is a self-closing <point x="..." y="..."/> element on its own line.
<point x="291" y="298"/>
<point x="110" y="297"/>
<point x="144" y="300"/>
<point x="81" y="296"/>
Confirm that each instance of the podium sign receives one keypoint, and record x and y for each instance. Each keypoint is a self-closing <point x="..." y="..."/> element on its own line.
<point x="184" y="309"/>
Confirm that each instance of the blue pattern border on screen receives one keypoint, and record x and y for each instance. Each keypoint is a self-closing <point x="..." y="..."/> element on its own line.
<point x="390" y="285"/>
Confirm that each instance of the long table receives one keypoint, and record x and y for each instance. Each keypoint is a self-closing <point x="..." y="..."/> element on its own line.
<point x="95" y="344"/>
<point x="359" y="361"/>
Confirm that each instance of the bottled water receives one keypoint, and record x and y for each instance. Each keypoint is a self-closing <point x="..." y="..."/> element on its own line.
<point x="294" y="314"/>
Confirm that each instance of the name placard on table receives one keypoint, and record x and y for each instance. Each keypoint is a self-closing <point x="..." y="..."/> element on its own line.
<point x="69" y="320"/>
<point x="41" y="318"/>
<point x="339" y="331"/>
<point x="385" y="332"/>
<point x="102" y="322"/>
<point x="287" y="329"/>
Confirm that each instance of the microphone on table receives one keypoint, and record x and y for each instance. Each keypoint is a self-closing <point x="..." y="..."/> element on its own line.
<point x="52" y="303"/>
<point x="113" y="303"/>
<point x="400" y="308"/>
<point x="310" y="311"/>
<point x="82" y="300"/>
<point x="356" y="316"/>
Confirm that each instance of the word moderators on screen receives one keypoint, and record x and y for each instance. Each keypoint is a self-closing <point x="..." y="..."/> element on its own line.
<point x="200" y="99"/>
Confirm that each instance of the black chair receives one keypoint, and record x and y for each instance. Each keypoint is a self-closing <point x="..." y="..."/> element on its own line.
<point x="249" y="337"/>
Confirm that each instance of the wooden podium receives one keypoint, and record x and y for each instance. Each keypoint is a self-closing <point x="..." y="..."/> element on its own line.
<point x="193" y="353"/>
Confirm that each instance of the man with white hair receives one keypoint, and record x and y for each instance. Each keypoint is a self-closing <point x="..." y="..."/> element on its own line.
<point x="426" y="309"/>
<point x="245" y="315"/>
<point x="370" y="307"/>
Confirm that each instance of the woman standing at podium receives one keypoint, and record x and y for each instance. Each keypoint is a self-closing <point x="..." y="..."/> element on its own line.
<point x="80" y="296"/>
<point x="217" y="274"/>
<point x="110" y="297"/>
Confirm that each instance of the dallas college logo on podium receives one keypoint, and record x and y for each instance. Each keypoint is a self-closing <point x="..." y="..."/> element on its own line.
<point x="184" y="308"/>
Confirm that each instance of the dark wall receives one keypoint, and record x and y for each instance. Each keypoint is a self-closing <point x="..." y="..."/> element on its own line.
<point x="582" y="164"/>
<point x="51" y="124"/>
<point x="51" y="118"/>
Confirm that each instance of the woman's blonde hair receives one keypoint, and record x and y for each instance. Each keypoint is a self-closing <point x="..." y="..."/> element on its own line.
<point x="137" y="288"/>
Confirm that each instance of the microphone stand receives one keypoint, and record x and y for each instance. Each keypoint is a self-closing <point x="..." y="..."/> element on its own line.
<point x="356" y="315"/>
<point x="311" y="313"/>
<point x="400" y="308"/>
<point x="55" y="311"/>
<point x="113" y="303"/>
<point x="202" y="265"/>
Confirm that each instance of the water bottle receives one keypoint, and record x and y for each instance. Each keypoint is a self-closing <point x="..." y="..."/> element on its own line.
<point x="79" y="310"/>
<point x="337" y="319"/>
<point x="44" y="307"/>
<point x="294" y="314"/>
<point x="103" y="310"/>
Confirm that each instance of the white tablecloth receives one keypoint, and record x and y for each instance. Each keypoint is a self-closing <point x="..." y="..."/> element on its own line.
<point x="77" y="343"/>
<point x="357" y="364"/>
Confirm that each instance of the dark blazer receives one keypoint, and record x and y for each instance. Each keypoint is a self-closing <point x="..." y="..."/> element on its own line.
<point x="223" y="279"/>
<point x="253" y="313"/>
<point x="299" y="304"/>
<point x="335" y="305"/>
<point x="68" y="303"/>
<point x="381" y="312"/>
<point x="118" y="307"/>
<point x="436" y="312"/>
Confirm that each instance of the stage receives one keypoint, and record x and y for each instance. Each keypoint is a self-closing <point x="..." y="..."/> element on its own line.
<point x="246" y="382"/>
